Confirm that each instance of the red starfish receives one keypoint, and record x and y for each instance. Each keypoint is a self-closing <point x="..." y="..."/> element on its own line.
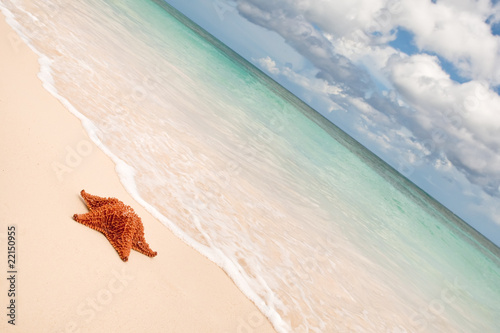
<point x="118" y="222"/>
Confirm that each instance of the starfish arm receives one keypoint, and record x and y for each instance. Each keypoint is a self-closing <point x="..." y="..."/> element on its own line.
<point x="139" y="242"/>
<point x="122" y="246"/>
<point x="91" y="219"/>
<point x="94" y="202"/>
<point x="140" y="245"/>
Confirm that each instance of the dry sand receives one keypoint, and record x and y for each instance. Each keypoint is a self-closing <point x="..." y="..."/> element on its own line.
<point x="69" y="278"/>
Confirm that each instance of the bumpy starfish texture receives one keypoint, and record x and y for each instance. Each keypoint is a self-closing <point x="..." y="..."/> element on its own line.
<point x="118" y="222"/>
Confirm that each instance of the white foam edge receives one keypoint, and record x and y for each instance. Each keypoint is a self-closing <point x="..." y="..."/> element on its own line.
<point x="126" y="175"/>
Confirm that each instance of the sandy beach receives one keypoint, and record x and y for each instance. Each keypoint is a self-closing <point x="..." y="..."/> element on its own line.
<point x="68" y="277"/>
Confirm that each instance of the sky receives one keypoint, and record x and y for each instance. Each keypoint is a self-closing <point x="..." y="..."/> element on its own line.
<point x="415" y="81"/>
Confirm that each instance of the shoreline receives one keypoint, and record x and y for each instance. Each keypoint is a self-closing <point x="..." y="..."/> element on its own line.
<point x="69" y="277"/>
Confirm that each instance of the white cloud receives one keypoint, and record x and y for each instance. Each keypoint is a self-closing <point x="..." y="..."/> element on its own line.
<point x="312" y="84"/>
<point x="467" y="113"/>
<point x="457" y="31"/>
<point x="268" y="64"/>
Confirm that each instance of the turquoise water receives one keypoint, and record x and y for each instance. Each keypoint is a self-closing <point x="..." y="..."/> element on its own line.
<point x="321" y="234"/>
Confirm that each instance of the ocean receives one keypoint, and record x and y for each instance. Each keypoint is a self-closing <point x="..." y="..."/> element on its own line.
<point x="322" y="235"/>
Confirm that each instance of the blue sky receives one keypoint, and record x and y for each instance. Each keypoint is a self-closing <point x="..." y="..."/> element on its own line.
<point x="415" y="81"/>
